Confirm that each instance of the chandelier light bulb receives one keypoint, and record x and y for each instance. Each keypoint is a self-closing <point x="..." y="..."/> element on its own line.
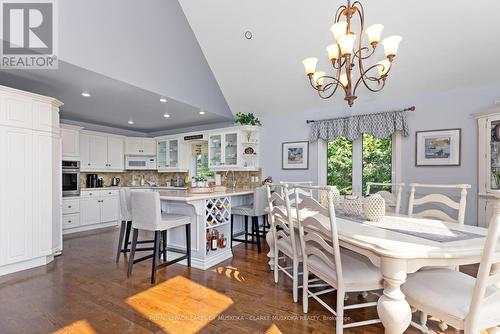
<point x="346" y="43"/>
<point x="383" y="67"/>
<point x="318" y="79"/>
<point x="343" y="80"/>
<point x="339" y="30"/>
<point x="310" y="65"/>
<point x="374" y="32"/>
<point x="333" y="51"/>
<point x="391" y="45"/>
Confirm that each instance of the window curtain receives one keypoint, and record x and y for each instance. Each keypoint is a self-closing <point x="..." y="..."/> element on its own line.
<point x="380" y="125"/>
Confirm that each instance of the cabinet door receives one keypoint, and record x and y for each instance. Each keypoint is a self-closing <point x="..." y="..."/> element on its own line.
<point x="231" y="149"/>
<point x="70" y="144"/>
<point x="84" y="147"/>
<point x="133" y="146"/>
<point x="109" y="209"/>
<point x="215" y="151"/>
<point x="16" y="195"/>
<point x="44" y="213"/>
<point x="90" y="211"/>
<point x="173" y="153"/>
<point x="45" y="117"/>
<point x="149" y="146"/>
<point x="98" y="152"/>
<point x="161" y="154"/>
<point x="16" y="111"/>
<point x="115" y="153"/>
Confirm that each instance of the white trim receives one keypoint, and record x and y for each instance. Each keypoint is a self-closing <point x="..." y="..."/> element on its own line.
<point x="84" y="228"/>
<point x="357" y="169"/>
<point x="396" y="159"/>
<point x="322" y="162"/>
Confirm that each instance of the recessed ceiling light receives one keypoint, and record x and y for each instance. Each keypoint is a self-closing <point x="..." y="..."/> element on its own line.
<point x="131" y="122"/>
<point x="166" y="115"/>
<point x="163" y="100"/>
<point x="248" y="34"/>
<point x="202" y="112"/>
<point x="85" y="93"/>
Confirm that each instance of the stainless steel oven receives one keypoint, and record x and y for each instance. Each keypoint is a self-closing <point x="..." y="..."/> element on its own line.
<point x="70" y="178"/>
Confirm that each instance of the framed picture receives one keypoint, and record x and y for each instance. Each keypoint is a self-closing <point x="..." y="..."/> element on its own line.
<point x="438" y="147"/>
<point x="295" y="155"/>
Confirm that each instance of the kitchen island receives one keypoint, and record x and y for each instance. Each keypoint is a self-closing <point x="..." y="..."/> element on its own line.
<point x="210" y="215"/>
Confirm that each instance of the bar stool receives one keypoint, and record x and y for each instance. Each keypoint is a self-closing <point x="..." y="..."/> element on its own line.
<point x="255" y="210"/>
<point x="126" y="225"/>
<point x="147" y="216"/>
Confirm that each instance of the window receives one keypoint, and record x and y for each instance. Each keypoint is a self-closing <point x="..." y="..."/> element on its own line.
<point x="200" y="160"/>
<point x="350" y="164"/>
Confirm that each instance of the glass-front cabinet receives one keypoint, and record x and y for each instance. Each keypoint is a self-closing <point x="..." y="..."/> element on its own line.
<point x="494" y="150"/>
<point x="223" y="150"/>
<point x="215" y="150"/>
<point x="168" y="154"/>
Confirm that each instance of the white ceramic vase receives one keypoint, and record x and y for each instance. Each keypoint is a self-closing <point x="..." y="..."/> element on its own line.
<point x="353" y="206"/>
<point x="374" y="207"/>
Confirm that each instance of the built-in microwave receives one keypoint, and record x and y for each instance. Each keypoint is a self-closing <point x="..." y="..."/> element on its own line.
<point x="140" y="163"/>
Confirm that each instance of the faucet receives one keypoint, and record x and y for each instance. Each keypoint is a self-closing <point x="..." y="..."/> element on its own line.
<point x="234" y="179"/>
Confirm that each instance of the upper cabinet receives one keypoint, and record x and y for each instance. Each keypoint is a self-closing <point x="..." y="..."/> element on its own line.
<point x="140" y="146"/>
<point x="237" y="148"/>
<point x="101" y="153"/>
<point x="70" y="137"/>
<point x="170" y="155"/>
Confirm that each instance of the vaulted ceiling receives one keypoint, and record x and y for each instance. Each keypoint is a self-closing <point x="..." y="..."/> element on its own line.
<point x="446" y="44"/>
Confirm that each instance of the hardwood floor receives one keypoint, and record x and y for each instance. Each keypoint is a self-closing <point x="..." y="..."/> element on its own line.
<point x="84" y="291"/>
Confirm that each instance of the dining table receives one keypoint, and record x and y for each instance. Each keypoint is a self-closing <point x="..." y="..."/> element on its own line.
<point x="401" y="245"/>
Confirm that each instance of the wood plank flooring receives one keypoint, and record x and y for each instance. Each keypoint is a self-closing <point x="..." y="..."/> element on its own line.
<point x="84" y="291"/>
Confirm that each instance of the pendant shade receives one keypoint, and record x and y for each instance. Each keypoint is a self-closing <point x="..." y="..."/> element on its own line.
<point x="346" y="43"/>
<point x="374" y="32"/>
<point x="391" y="45"/>
<point x="310" y="65"/>
<point x="339" y="29"/>
<point x="318" y="78"/>
<point x="333" y="51"/>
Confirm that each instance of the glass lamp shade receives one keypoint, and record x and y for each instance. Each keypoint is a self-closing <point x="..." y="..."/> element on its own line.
<point x="346" y="43"/>
<point x="391" y="45"/>
<point x="318" y="78"/>
<point x="333" y="51"/>
<point x="310" y="65"/>
<point x="339" y="29"/>
<point x="384" y="67"/>
<point x="374" y="32"/>
<point x="343" y="80"/>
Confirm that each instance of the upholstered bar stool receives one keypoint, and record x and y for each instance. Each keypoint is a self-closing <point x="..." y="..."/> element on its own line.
<point x="147" y="216"/>
<point x="126" y="225"/>
<point x="255" y="210"/>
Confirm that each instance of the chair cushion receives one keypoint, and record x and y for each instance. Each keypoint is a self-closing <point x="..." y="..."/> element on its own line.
<point x="445" y="291"/>
<point x="285" y="246"/>
<point x="243" y="210"/>
<point x="171" y="220"/>
<point x="359" y="273"/>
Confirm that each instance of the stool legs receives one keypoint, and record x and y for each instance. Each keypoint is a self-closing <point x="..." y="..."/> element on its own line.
<point x="231" y="233"/>
<point x="120" y="240"/>
<point x="156" y="256"/>
<point x="188" y="244"/>
<point x="164" y="243"/>
<point x="132" y="251"/>
<point x="256" y="232"/>
<point x="246" y="229"/>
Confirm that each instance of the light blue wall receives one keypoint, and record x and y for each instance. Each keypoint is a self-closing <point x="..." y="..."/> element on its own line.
<point x="450" y="109"/>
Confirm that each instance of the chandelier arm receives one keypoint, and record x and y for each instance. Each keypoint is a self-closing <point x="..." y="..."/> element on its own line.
<point x="358" y="53"/>
<point x="361" y="13"/>
<point x="339" y="12"/>
<point x="363" y="77"/>
<point x="327" y="87"/>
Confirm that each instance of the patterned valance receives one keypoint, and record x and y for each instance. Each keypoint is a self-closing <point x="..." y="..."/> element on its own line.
<point x="380" y="125"/>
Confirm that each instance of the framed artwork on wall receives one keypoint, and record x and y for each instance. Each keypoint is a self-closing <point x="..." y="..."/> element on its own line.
<point x="295" y="155"/>
<point x="438" y="147"/>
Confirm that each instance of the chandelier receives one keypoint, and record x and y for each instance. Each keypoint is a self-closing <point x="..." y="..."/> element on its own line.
<point x="345" y="56"/>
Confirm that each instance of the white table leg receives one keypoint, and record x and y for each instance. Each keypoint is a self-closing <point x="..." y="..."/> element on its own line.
<point x="393" y="309"/>
<point x="270" y="242"/>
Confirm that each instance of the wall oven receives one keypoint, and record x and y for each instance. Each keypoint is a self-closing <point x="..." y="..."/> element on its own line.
<point x="70" y="178"/>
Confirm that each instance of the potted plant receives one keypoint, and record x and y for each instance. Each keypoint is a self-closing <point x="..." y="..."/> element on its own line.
<point x="201" y="181"/>
<point x="247" y="119"/>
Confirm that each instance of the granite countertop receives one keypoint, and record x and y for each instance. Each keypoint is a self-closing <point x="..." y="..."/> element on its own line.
<point x="135" y="187"/>
<point x="186" y="196"/>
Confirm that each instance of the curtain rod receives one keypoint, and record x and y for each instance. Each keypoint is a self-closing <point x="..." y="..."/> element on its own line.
<point x="412" y="108"/>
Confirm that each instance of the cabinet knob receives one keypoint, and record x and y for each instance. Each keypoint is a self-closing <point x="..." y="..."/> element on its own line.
<point x="69" y="206"/>
<point x="69" y="221"/>
<point x="90" y="194"/>
<point x="88" y="164"/>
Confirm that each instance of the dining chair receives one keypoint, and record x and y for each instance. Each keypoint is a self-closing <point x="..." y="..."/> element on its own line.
<point x="466" y="303"/>
<point x="303" y="192"/>
<point x="285" y="237"/>
<point x="392" y="199"/>
<point x="343" y="270"/>
<point x="147" y="216"/>
<point x="438" y="199"/>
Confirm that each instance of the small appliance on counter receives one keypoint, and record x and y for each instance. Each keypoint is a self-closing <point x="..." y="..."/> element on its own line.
<point x="115" y="181"/>
<point x="100" y="182"/>
<point x="177" y="182"/>
<point x="93" y="181"/>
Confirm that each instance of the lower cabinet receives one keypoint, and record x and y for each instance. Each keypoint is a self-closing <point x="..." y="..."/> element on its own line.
<point x="96" y="209"/>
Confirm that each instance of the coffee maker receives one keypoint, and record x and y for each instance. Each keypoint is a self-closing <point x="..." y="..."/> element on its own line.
<point x="92" y="181"/>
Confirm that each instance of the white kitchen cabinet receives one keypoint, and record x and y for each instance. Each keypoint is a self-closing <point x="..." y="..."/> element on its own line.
<point x="169" y="155"/>
<point x="140" y="146"/>
<point x="70" y="138"/>
<point x="97" y="208"/>
<point x="90" y="211"/>
<point x="109" y="208"/>
<point x="30" y="205"/>
<point x="101" y="152"/>
<point x="237" y="148"/>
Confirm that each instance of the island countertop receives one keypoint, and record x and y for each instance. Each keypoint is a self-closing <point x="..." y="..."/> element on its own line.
<point x="186" y="196"/>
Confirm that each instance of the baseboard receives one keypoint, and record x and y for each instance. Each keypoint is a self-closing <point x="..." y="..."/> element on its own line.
<point x="89" y="227"/>
<point x="24" y="265"/>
